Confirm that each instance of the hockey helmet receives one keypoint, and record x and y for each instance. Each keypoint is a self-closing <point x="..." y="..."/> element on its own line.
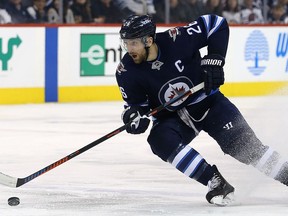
<point x="137" y="27"/>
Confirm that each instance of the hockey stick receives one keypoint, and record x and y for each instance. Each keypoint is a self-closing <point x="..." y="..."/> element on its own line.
<point x="17" y="182"/>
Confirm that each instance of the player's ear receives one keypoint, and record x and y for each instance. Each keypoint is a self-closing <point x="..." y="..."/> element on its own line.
<point x="149" y="41"/>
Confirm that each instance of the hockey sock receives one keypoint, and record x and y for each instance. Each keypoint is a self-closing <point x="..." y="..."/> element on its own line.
<point x="188" y="161"/>
<point x="272" y="165"/>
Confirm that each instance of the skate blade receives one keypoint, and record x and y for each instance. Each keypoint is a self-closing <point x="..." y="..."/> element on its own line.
<point x="220" y="201"/>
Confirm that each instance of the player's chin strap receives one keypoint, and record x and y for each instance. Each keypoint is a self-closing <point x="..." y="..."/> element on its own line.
<point x="144" y="40"/>
<point x="147" y="52"/>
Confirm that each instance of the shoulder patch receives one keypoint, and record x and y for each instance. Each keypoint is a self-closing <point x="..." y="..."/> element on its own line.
<point x="120" y="68"/>
<point x="173" y="33"/>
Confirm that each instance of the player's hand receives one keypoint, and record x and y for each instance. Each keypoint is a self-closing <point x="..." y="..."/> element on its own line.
<point x="138" y="123"/>
<point x="213" y="73"/>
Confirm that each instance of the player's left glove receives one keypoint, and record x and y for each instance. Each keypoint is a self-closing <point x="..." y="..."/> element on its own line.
<point x="139" y="124"/>
<point x="213" y="73"/>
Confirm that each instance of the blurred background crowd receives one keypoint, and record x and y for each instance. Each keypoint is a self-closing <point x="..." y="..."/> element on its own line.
<point x="163" y="11"/>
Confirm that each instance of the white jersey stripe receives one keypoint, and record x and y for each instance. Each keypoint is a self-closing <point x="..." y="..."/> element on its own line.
<point x="217" y="25"/>
<point x="206" y="21"/>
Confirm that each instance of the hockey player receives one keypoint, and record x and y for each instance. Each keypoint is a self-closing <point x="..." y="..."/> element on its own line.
<point x="158" y="67"/>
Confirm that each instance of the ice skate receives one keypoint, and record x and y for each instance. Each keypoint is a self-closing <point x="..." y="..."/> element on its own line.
<point x="220" y="192"/>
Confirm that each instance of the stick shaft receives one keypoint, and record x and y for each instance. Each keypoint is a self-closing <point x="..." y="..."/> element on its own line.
<point x="17" y="182"/>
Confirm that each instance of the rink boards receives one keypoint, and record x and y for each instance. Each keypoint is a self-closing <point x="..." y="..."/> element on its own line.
<point x="41" y="64"/>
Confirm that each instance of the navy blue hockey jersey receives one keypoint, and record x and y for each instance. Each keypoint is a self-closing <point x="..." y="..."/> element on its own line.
<point x="177" y="67"/>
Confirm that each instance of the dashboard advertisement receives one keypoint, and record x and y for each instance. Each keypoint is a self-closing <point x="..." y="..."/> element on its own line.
<point x="77" y="63"/>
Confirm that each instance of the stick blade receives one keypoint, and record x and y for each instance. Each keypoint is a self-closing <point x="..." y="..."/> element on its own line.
<point x="8" y="180"/>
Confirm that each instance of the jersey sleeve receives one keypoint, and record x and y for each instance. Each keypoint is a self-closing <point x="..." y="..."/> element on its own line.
<point x="217" y="33"/>
<point x="209" y="31"/>
<point x="130" y="88"/>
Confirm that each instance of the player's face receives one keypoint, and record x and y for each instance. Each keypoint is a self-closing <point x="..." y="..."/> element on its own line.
<point x="136" y="49"/>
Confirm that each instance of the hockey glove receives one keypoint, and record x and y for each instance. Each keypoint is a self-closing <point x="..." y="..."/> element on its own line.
<point x="138" y="123"/>
<point x="213" y="73"/>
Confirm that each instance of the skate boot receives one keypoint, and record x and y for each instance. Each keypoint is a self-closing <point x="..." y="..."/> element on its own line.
<point x="220" y="192"/>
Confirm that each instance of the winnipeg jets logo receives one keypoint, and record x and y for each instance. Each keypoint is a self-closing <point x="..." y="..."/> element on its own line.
<point x="176" y="90"/>
<point x="120" y="68"/>
<point x="157" y="64"/>
<point x="173" y="33"/>
<point x="172" y="88"/>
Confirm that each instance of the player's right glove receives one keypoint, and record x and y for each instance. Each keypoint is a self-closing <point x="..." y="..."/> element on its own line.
<point x="213" y="73"/>
<point x="138" y="123"/>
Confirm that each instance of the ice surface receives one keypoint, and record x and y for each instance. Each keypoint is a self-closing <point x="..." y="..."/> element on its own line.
<point x="121" y="176"/>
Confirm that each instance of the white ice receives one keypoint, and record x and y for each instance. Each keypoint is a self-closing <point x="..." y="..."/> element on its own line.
<point x="121" y="176"/>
